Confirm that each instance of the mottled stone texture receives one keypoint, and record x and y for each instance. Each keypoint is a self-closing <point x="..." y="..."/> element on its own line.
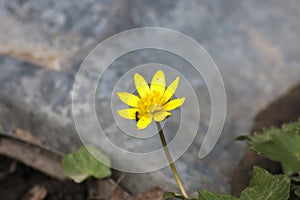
<point x="254" y="43"/>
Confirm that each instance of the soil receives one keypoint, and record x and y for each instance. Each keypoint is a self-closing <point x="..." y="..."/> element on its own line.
<point x="283" y="110"/>
<point x="16" y="181"/>
<point x="20" y="182"/>
<point x="32" y="180"/>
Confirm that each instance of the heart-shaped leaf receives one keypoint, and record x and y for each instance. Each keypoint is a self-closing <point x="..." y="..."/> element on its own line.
<point x="87" y="161"/>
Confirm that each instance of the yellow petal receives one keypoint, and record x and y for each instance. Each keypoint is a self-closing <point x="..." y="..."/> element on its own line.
<point x="158" y="82"/>
<point x="129" y="113"/>
<point x="160" y="116"/>
<point x="171" y="90"/>
<point x="129" y="99"/>
<point x="143" y="122"/>
<point x="171" y="105"/>
<point x="141" y="85"/>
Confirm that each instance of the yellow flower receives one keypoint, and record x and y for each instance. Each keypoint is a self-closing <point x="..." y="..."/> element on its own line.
<point x="152" y="103"/>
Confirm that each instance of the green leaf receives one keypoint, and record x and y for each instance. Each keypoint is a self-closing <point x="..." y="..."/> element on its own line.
<point x="295" y="178"/>
<point x="206" y="195"/>
<point x="82" y="164"/>
<point x="169" y="195"/>
<point x="173" y="195"/>
<point x="297" y="192"/>
<point x="265" y="186"/>
<point x="280" y="145"/>
<point x="296" y="189"/>
<point x="242" y="138"/>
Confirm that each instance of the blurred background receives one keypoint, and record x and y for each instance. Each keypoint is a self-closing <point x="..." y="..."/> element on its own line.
<point x="255" y="45"/>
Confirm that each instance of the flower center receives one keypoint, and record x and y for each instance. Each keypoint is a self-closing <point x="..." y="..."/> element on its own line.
<point x="151" y="104"/>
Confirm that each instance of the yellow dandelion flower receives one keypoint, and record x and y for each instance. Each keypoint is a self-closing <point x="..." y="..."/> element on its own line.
<point x="153" y="102"/>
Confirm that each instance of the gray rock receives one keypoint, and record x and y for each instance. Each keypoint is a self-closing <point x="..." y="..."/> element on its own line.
<point x="254" y="44"/>
<point x="37" y="100"/>
<point x="56" y="34"/>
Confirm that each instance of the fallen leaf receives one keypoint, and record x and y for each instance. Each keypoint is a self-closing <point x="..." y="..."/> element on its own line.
<point x="106" y="189"/>
<point x="38" y="192"/>
<point x="26" y="135"/>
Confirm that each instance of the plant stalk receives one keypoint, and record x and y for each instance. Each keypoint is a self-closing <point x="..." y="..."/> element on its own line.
<point x="170" y="160"/>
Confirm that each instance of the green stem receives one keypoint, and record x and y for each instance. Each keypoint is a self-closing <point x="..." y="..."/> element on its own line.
<point x="171" y="163"/>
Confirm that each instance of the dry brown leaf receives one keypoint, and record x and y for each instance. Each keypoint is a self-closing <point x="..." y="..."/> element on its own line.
<point x="106" y="189"/>
<point x="38" y="192"/>
<point x="155" y="193"/>
<point x="26" y="135"/>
